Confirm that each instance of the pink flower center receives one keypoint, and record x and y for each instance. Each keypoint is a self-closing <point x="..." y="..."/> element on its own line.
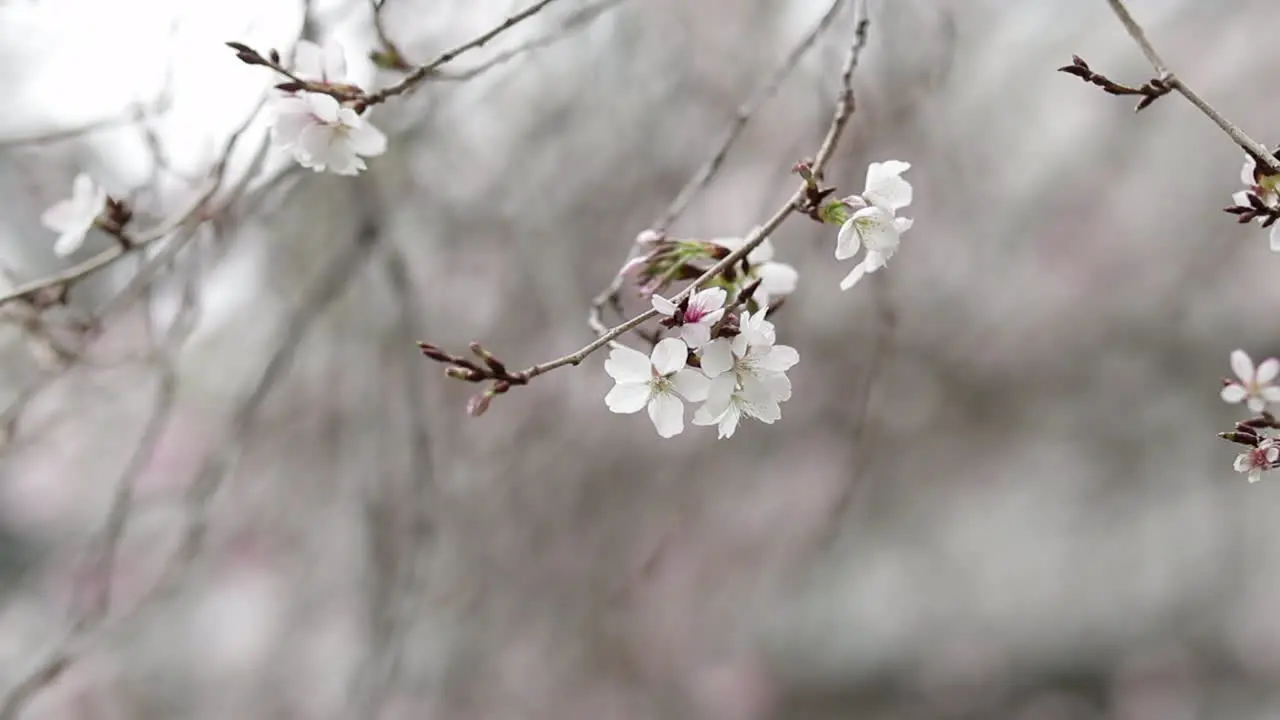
<point x="1258" y="458"/>
<point x="694" y="313"/>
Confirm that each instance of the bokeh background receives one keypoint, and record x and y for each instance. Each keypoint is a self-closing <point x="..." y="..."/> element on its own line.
<point x="996" y="492"/>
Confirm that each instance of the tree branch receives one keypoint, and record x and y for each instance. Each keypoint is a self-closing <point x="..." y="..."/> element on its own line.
<point x="1259" y="153"/>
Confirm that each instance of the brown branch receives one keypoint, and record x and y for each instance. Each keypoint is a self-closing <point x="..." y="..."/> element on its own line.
<point x="422" y="72"/>
<point x="578" y="19"/>
<point x="1259" y="153"/>
<point x="798" y="200"/>
<point x="703" y="176"/>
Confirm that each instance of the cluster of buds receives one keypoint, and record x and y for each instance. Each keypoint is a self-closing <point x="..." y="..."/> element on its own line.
<point x="490" y="369"/>
<point x="663" y="260"/>
<point x="318" y="114"/>
<point x="1256" y="387"/>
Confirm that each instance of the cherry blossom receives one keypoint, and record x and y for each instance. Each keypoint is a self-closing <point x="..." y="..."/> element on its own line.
<point x="873" y="222"/>
<point x="657" y="381"/>
<point x="1258" y="460"/>
<point x="1254" y="384"/>
<point x="748" y="376"/>
<point x="72" y="218"/>
<point x="704" y="310"/>
<point x="324" y="135"/>
<point x="1266" y="188"/>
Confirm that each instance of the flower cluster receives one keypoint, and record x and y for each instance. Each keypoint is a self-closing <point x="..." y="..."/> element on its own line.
<point x="1256" y="387"/>
<point x="1259" y="201"/>
<point x="723" y="357"/>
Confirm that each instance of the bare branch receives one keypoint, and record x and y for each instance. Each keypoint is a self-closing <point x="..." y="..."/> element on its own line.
<point x="1259" y="153"/>
<point x="702" y="178"/>
<point x="421" y="73"/>
<point x="577" y="20"/>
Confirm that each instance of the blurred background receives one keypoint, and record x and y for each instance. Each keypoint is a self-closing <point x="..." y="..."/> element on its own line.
<point x="996" y="492"/>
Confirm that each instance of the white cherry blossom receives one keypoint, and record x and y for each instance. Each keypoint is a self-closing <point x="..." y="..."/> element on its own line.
<point x="748" y="376"/>
<point x="657" y="381"/>
<point x="1255" y="385"/>
<point x="74" y="217"/>
<point x="873" y="223"/>
<point x="1267" y="188"/>
<point x="704" y="310"/>
<point x="324" y="135"/>
<point x="1256" y="461"/>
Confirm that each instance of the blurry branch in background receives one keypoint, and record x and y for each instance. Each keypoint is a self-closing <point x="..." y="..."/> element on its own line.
<point x="137" y="114"/>
<point x="702" y="178"/>
<point x="213" y="472"/>
<point x="195" y="212"/>
<point x="423" y="72"/>
<point x="804" y="200"/>
<point x="53" y="289"/>
<point x="1165" y="81"/>
<point x="575" y="21"/>
<point x="100" y="565"/>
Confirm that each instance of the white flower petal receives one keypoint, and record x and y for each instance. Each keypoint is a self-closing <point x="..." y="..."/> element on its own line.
<point x="663" y="305"/>
<point x="780" y="358"/>
<point x="60" y="216"/>
<point x="728" y="422"/>
<point x="854" y="276"/>
<point x="628" y="365"/>
<point x="1242" y="366"/>
<point x="717" y="357"/>
<point x="628" y="397"/>
<point x="1271" y="394"/>
<point x="308" y="60"/>
<point x="848" y="241"/>
<point x="903" y="224"/>
<point x="710" y="299"/>
<point x="1267" y="371"/>
<point x="720" y="394"/>
<point x="691" y="384"/>
<point x="667" y="413"/>
<point x="885" y="186"/>
<point x="778" y="279"/>
<point x="1234" y="393"/>
<point x="695" y="335"/>
<point x="876" y="229"/>
<point x="367" y="140"/>
<point x="1256" y="404"/>
<point x="325" y="107"/>
<point x="1246" y="171"/>
<point x="778" y="385"/>
<point x="68" y="242"/>
<point x="669" y="355"/>
<point x="1243" y="462"/>
<point x="1275" y="237"/>
<point x="335" y="62"/>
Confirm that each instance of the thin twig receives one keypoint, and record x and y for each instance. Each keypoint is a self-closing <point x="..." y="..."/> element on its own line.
<point x="1259" y="153"/>
<point x="421" y="73"/>
<point x="840" y="118"/>
<point x="102" y="564"/>
<point x="703" y="176"/>
<point x="579" y="19"/>
<point x="219" y="463"/>
<point x="193" y="212"/>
